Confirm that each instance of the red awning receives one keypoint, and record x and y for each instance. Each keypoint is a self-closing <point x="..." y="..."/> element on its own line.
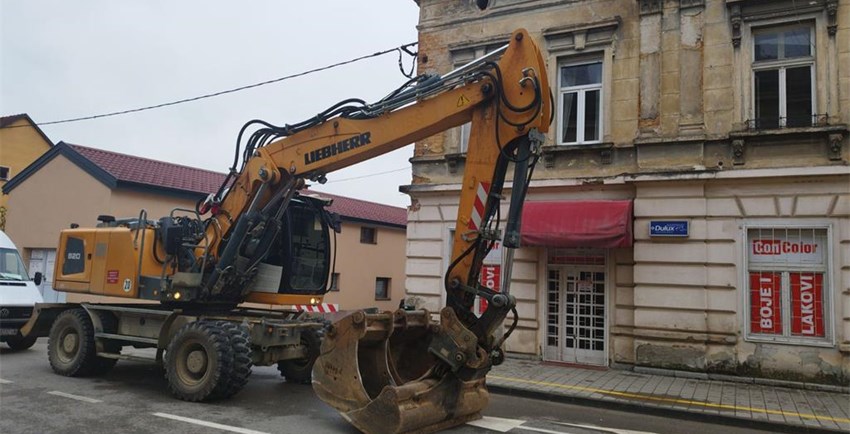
<point x="581" y="223"/>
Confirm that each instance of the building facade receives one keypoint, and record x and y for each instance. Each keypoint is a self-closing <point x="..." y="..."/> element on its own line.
<point x="21" y="142"/>
<point x="75" y="184"/>
<point x="691" y="206"/>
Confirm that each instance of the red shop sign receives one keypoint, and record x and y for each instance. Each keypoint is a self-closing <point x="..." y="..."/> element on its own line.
<point x="491" y="277"/>
<point x="765" y="310"/>
<point x="807" y="304"/>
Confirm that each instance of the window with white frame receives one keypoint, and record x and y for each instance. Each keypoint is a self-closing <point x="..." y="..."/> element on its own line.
<point x="580" y="101"/>
<point x="4" y="173"/>
<point x="788" y="285"/>
<point x="783" y="76"/>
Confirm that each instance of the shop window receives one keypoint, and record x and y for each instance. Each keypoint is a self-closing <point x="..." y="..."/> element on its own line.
<point x="334" y="282"/>
<point x="368" y="235"/>
<point x="788" y="289"/>
<point x="783" y="77"/>
<point x="382" y="288"/>
<point x="580" y="102"/>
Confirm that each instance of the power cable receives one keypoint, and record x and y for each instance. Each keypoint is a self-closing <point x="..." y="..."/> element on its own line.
<point x="368" y="176"/>
<point x="224" y="92"/>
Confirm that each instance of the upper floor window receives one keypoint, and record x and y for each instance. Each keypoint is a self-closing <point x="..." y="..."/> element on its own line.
<point x="580" y="102"/>
<point x="4" y="173"/>
<point x="783" y="77"/>
<point x="368" y="235"/>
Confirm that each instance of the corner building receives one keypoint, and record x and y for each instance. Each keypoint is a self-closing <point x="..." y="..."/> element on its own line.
<point x="690" y="208"/>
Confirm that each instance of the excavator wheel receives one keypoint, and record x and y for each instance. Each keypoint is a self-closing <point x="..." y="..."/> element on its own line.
<point x="70" y="347"/>
<point x="199" y="361"/>
<point x="301" y="370"/>
<point x="240" y="367"/>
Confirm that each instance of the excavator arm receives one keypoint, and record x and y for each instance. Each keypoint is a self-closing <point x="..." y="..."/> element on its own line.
<point x="400" y="372"/>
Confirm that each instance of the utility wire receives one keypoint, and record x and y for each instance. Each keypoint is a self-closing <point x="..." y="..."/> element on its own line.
<point x="368" y="176"/>
<point x="223" y="92"/>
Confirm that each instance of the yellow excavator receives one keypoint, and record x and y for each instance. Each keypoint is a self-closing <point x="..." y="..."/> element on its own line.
<point x="264" y="238"/>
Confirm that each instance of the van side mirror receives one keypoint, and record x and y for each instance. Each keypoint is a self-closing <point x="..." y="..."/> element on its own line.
<point x="38" y="278"/>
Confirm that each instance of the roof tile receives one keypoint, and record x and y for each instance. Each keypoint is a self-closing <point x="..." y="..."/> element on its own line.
<point x="128" y="168"/>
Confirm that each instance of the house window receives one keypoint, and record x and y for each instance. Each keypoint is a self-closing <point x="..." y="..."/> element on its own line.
<point x="580" y="102"/>
<point x="382" y="288"/>
<point x="4" y="173"/>
<point x="334" y="282"/>
<point x="368" y="235"/>
<point x="788" y="289"/>
<point x="783" y="77"/>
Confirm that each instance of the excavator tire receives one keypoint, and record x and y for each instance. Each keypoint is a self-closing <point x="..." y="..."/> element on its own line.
<point x="70" y="347"/>
<point x="301" y="370"/>
<point x="20" y="343"/>
<point x="199" y="362"/>
<point x="240" y="367"/>
<point x="110" y="325"/>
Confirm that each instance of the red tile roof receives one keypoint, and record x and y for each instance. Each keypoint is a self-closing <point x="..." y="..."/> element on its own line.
<point x="365" y="210"/>
<point x="138" y="170"/>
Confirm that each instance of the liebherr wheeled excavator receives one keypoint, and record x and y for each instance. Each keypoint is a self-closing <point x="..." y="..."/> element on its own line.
<point x="264" y="238"/>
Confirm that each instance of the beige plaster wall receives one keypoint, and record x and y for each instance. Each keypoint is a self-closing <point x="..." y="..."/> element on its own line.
<point x="359" y="264"/>
<point x="58" y="194"/>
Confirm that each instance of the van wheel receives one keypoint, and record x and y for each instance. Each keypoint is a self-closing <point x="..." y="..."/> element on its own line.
<point x="198" y="361"/>
<point x="301" y="370"/>
<point x="20" y="343"/>
<point x="70" y="347"/>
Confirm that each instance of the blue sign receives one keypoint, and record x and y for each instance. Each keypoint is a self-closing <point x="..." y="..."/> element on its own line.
<point x="668" y="228"/>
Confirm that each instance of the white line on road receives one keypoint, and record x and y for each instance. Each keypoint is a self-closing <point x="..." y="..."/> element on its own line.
<point x="548" y="431"/>
<point x="496" y="423"/>
<point x="2" y="381"/>
<point x="209" y="424"/>
<point x="77" y="397"/>
<point x="606" y="429"/>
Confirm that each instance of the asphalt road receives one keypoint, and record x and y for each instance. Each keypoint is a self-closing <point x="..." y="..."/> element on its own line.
<point x="134" y="398"/>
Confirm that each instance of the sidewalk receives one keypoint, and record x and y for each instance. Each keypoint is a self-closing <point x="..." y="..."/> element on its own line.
<point x="688" y="395"/>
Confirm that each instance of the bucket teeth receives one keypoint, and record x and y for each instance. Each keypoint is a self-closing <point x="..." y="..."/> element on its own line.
<point x="376" y="370"/>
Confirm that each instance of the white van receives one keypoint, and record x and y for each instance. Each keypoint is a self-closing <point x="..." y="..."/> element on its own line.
<point x="18" y="295"/>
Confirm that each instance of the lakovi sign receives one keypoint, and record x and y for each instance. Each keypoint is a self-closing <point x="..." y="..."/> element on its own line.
<point x="807" y="304"/>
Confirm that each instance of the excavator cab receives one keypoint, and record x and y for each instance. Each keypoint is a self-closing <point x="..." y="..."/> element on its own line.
<point x="299" y="260"/>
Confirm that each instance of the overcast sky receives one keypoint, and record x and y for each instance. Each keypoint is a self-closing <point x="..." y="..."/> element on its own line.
<point x="66" y="59"/>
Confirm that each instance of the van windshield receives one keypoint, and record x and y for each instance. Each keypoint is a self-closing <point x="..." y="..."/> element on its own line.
<point x="11" y="266"/>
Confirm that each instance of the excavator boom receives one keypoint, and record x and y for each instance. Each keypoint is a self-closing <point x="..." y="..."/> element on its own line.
<point x="397" y="372"/>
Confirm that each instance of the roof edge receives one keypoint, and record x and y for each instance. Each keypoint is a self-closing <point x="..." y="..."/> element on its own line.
<point x="9" y="120"/>
<point x="65" y="150"/>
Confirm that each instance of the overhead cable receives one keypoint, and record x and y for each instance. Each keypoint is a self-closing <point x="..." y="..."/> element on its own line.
<point x="223" y="92"/>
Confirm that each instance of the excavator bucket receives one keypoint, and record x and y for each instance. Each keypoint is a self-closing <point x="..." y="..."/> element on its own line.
<point x="375" y="369"/>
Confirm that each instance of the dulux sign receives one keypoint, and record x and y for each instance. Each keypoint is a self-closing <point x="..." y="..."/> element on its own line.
<point x="668" y="228"/>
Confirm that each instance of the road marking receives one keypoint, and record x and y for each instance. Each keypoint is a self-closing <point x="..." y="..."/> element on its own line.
<point x="547" y="431"/>
<point x="208" y="424"/>
<point x="672" y="400"/>
<point x="2" y="381"/>
<point x="77" y="397"/>
<point x="496" y="423"/>
<point x="605" y="429"/>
